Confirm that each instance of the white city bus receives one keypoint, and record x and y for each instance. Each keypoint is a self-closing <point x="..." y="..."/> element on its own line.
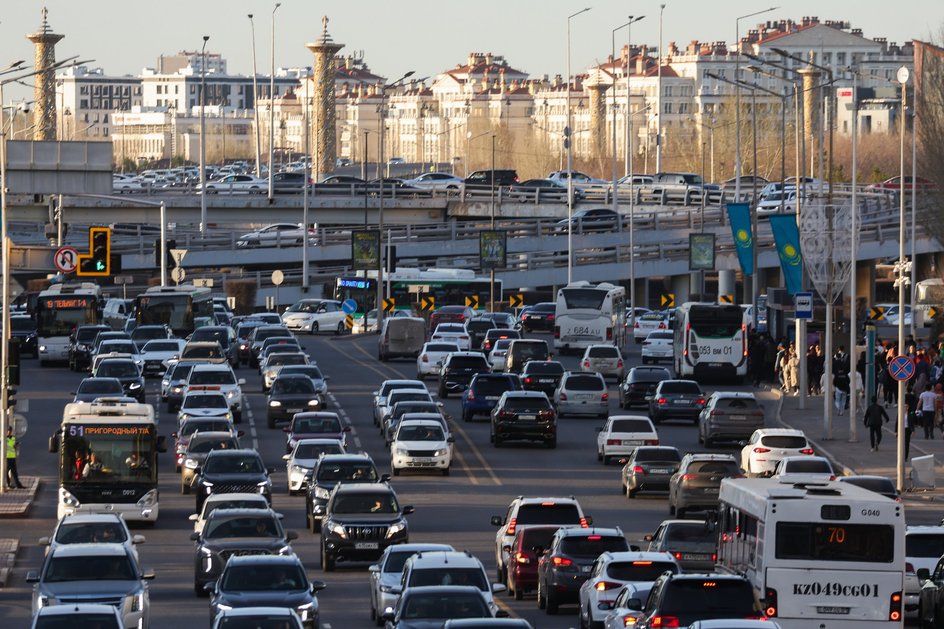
<point x="588" y="314"/>
<point x="177" y="307"/>
<point x="710" y="341"/>
<point x="818" y="554"/>
<point x="108" y="459"/>
<point x="59" y="310"/>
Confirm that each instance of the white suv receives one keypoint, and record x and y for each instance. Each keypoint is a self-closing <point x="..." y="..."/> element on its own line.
<point x="449" y="568"/>
<point x="421" y="445"/>
<point x="768" y="445"/>
<point x="314" y="316"/>
<point x="211" y="376"/>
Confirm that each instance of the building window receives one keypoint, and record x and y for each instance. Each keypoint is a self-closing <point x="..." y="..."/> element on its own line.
<point x="83" y="104"/>
<point x="84" y="90"/>
<point x="667" y="108"/>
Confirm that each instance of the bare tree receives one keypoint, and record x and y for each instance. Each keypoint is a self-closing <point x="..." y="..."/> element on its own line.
<point x="929" y="97"/>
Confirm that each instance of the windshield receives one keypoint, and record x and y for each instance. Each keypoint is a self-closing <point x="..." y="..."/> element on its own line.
<point x="117" y="568"/>
<point x="99" y="385"/>
<point x="639" y="570"/>
<point x="190" y="427"/>
<point x="314" y="450"/>
<point x="449" y="576"/>
<point x="84" y="620"/>
<point x="91" y="533"/>
<point x="205" y="401"/>
<point x="234" y="465"/>
<point x="443" y="606"/>
<point x="203" y="446"/>
<point x="262" y="577"/>
<point x="242" y="526"/>
<point x="591" y="546"/>
<point x="181" y="372"/>
<point x="161" y="346"/>
<point x="305" y="306"/>
<point x="216" y="376"/>
<point x="715" y="321"/>
<point x="174" y="311"/>
<point x="378" y="502"/>
<point x="58" y="316"/>
<point x="589" y="298"/>
<point x="346" y="471"/>
<point x="117" y="369"/>
<point x="289" y="386"/>
<point x="421" y="433"/>
<point x="113" y="453"/>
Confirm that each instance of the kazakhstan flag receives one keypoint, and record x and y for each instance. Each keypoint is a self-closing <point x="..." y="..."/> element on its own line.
<point x="740" y="216"/>
<point x="787" y="238"/>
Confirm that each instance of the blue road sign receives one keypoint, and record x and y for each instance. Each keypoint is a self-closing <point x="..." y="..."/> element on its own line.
<point x="804" y="306"/>
<point x="901" y="368"/>
<point x="349" y="306"/>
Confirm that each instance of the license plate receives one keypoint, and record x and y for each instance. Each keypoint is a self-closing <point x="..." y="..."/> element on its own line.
<point x="491" y="398"/>
<point x="632" y="442"/>
<point x="586" y="397"/>
<point x="545" y="381"/>
<point x="366" y="545"/>
<point x="711" y="490"/>
<point x="659" y="470"/>
<point x="737" y="417"/>
<point x="527" y="416"/>
<point x="679" y="401"/>
<point x="839" y="611"/>
<point x="585" y="568"/>
<point x="293" y="410"/>
<point x="696" y="556"/>
<point x="535" y="317"/>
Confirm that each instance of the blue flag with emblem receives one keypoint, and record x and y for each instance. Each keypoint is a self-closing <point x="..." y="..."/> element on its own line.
<point x="740" y="216"/>
<point x="787" y="239"/>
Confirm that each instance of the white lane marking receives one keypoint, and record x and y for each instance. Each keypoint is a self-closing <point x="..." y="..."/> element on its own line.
<point x="247" y="411"/>
<point x="346" y="419"/>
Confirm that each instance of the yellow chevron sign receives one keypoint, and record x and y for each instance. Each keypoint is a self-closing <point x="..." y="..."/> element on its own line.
<point x="877" y="313"/>
<point x="349" y="321"/>
<point x="668" y="300"/>
<point x="472" y="301"/>
<point x="427" y="303"/>
<point x="725" y="299"/>
<point x="389" y="304"/>
<point x="516" y="300"/>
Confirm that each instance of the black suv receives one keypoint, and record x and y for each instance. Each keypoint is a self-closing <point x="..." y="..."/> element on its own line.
<point x="676" y="399"/>
<point x="360" y="521"/>
<point x="640" y="383"/>
<point x="229" y="532"/>
<point x="542" y="375"/>
<point x="23" y="333"/>
<point x="126" y="372"/>
<point x="566" y="564"/>
<point x="477" y="328"/>
<point x="458" y="370"/>
<point x="230" y="472"/>
<point x="482" y="179"/>
<point x="525" y="415"/>
<point x="330" y="470"/>
<point x="80" y="345"/>
<point x="144" y="333"/>
<point x="678" y="600"/>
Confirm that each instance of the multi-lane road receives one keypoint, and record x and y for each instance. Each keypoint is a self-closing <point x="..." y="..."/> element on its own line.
<point x="454" y="509"/>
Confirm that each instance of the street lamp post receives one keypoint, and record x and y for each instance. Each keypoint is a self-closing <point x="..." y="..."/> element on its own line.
<point x="627" y="120"/>
<point x="568" y="142"/>
<point x="305" y="187"/>
<point x="659" y="98"/>
<point x="255" y="99"/>
<point x="272" y="108"/>
<point x="902" y="268"/>
<point x="615" y="199"/>
<point x="491" y="202"/>
<point x="203" y="194"/>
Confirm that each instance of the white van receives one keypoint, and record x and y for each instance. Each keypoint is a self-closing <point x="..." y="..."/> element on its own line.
<point x="401" y="336"/>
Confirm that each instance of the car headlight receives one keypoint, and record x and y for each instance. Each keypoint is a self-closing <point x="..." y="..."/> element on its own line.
<point x="333" y="527"/>
<point x="137" y="602"/>
<point x="165" y="384"/>
<point x="135" y="385"/>
<point x="83" y="348"/>
<point x="442" y="452"/>
<point x="401" y="451"/>
<point x="230" y="394"/>
<point x="191" y="464"/>
<point x="395" y="528"/>
<point x="66" y="497"/>
<point x="45" y="601"/>
<point x="315" y="402"/>
<point x="208" y="486"/>
<point x="299" y="469"/>
<point x="321" y="492"/>
<point x="386" y="589"/>
<point x="243" y="347"/>
<point x="149" y="499"/>
<point x="263" y="486"/>
<point x="178" y="389"/>
<point x="304" y="610"/>
<point x="275" y="403"/>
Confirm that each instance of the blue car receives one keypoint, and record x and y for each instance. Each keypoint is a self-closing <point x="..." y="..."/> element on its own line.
<point x="483" y="393"/>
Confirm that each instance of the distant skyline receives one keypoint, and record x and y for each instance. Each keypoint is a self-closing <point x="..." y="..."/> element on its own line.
<point x="421" y="35"/>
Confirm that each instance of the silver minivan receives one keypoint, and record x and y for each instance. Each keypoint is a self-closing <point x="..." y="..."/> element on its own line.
<point x="401" y="337"/>
<point x="116" y="312"/>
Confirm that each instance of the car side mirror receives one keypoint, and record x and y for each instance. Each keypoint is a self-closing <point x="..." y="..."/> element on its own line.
<point x="498" y="587"/>
<point x="148" y="575"/>
<point x="138" y="539"/>
<point x="507" y="548"/>
<point x="194" y="517"/>
<point x="450" y="439"/>
<point x="290" y="535"/>
<point x="924" y="574"/>
<point x="497" y="520"/>
<point x="648" y="398"/>
<point x="648" y="537"/>
<point x="270" y="470"/>
<point x="210" y="588"/>
<point x="634" y="604"/>
<point x="44" y="541"/>
<point x="286" y="457"/>
<point x="589" y="520"/>
<point x="241" y="381"/>
<point x="408" y="509"/>
<point x="346" y="429"/>
<point x="32" y="577"/>
<point x="240" y="433"/>
<point x="317" y="586"/>
<point x="388" y="614"/>
<point x="173" y="435"/>
<point x="195" y="537"/>
<point x="373" y="568"/>
<point x="326" y="378"/>
<point x="384" y="478"/>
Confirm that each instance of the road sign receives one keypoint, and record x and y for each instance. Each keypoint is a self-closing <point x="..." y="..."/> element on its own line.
<point x="901" y="368"/>
<point x="877" y="313"/>
<point x="932" y="312"/>
<point x="668" y="300"/>
<point x="349" y="306"/>
<point x="472" y="301"/>
<point x="427" y="303"/>
<point x="66" y="259"/>
<point x="725" y="299"/>
<point x="516" y="300"/>
<point x="123" y="279"/>
<point x="178" y="255"/>
<point x="803" y="306"/>
<point x="178" y="275"/>
<point x="389" y="304"/>
<point x="206" y="282"/>
<point x="277" y="277"/>
<point x="349" y="321"/>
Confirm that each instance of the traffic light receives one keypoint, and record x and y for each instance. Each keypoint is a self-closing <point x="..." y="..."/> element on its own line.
<point x="11" y="400"/>
<point x="171" y="244"/>
<point x="13" y="362"/>
<point x="97" y="262"/>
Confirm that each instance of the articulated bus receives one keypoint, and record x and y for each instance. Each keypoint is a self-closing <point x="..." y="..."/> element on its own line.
<point x="710" y="341"/>
<point x="818" y="554"/>
<point x="175" y="306"/>
<point x="59" y="310"/>
<point x="108" y="459"/>
<point x="586" y="315"/>
<point x="448" y="287"/>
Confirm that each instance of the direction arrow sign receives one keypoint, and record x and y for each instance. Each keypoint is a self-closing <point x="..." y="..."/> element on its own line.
<point x="66" y="259"/>
<point x="427" y="302"/>
<point x="472" y="301"/>
<point x="178" y="255"/>
<point x="389" y="304"/>
<point x="516" y="300"/>
<point x="901" y="368"/>
<point x="725" y="299"/>
<point x="349" y="306"/>
<point x="668" y="300"/>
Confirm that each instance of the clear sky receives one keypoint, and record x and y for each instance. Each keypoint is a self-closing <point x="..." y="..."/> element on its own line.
<point x="427" y="36"/>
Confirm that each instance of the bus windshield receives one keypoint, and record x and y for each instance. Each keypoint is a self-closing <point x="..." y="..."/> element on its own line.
<point x="715" y="321"/>
<point x="174" y="311"/>
<point x="589" y="298"/>
<point x="112" y="453"/>
<point x="58" y="316"/>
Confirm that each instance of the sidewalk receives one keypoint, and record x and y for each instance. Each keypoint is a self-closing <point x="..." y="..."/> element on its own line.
<point x="855" y="456"/>
<point x="15" y="503"/>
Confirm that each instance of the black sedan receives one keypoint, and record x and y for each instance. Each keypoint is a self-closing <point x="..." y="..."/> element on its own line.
<point x="591" y="220"/>
<point x="539" y="317"/>
<point x="542" y="375"/>
<point x="127" y="373"/>
<point x="639" y="384"/>
<point x="540" y="190"/>
<point x="290" y="394"/>
<point x="676" y="399"/>
<point x="524" y="415"/>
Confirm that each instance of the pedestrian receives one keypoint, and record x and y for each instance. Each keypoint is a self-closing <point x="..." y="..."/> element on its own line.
<point x="911" y="405"/>
<point x="874" y="415"/>
<point x="791" y="370"/>
<point x="841" y="388"/>
<point x="927" y="402"/>
<point x="13" y="477"/>
<point x="778" y="365"/>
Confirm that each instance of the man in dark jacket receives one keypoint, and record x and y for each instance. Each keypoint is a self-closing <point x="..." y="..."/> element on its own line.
<point x="874" y="415"/>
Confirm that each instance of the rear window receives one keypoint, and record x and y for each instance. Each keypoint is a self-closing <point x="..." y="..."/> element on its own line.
<point x="680" y="387"/>
<point x="639" y="570"/>
<point x="544" y="307"/>
<point x="553" y="368"/>
<point x="554" y="513"/>
<point x="480" y="325"/>
<point x="536" y="536"/>
<point x="589" y="298"/>
<point x="737" y="404"/>
<point x="660" y="335"/>
<point x="640" y="374"/>
<point x="929" y="545"/>
<point x="526" y="403"/>
<point x="495" y="386"/>
<point x="442" y="347"/>
<point x="631" y="425"/>
<point x="468" y="362"/>
<point x="694" y="532"/>
<point x="603" y="352"/>
<point x="784" y="441"/>
<point x="530" y="350"/>
<point x="585" y="383"/>
<point x="809" y="466"/>
<point x="657" y="454"/>
<point x="709" y="598"/>
<point x="591" y="546"/>
<point x="727" y="468"/>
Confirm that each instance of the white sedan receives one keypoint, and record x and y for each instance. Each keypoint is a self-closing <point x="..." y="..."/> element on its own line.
<point x="622" y="434"/>
<point x="649" y="322"/>
<point x="659" y="345"/>
<point x="498" y="357"/>
<point x="420" y="445"/>
<point x="431" y="356"/>
<point x="436" y="181"/>
<point x="236" y="184"/>
<point x="453" y="333"/>
<point x="277" y="234"/>
<point x="126" y="183"/>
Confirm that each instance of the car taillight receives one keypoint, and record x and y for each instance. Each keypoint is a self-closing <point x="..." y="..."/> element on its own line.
<point x="522" y="557"/>
<point x="700" y="401"/>
<point x="614" y="442"/>
<point x="807" y="451"/>
<point x="664" y="621"/>
<point x="557" y="331"/>
<point x="586" y="364"/>
<point x="638" y="470"/>
<point x="661" y="326"/>
<point x="602" y="586"/>
<point x="506" y="414"/>
<point x="424" y="358"/>
<point x="689" y="476"/>
<point x="609" y="334"/>
<point x="584" y="524"/>
<point x="909" y="567"/>
<point x="511" y="526"/>
<point x="547" y="413"/>
<point x="651" y="442"/>
<point x="550" y="317"/>
<point x="470" y="395"/>
<point x="636" y="325"/>
<point x="629" y="621"/>
<point x="528" y="380"/>
<point x="563" y="396"/>
<point x="760" y="450"/>
<point x="619" y="364"/>
<point x="662" y="400"/>
<point x="894" y="607"/>
<point x="770" y="603"/>
<point x="561" y="561"/>
<point x="463" y="338"/>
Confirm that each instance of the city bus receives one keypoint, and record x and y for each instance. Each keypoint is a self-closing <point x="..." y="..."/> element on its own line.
<point x="710" y="342"/>
<point x="818" y="554"/>
<point x="60" y="309"/>
<point x="448" y="287"/>
<point x="928" y="294"/>
<point x="588" y="314"/>
<point x="108" y="459"/>
<point x="178" y="307"/>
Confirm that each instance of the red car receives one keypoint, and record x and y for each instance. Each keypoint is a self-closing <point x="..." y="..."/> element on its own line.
<point x="894" y="184"/>
<point x="529" y="543"/>
<point x="314" y="425"/>
<point x="450" y="314"/>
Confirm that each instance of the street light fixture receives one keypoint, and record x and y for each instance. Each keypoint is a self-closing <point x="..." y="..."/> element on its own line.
<point x="568" y="144"/>
<point x="203" y="192"/>
<point x="272" y="108"/>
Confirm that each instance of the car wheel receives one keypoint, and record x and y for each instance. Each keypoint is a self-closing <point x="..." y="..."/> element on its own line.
<point x="443" y="393"/>
<point x="600" y="457"/>
<point x="445" y="471"/>
<point x="551" y="443"/>
<point x="542" y="602"/>
<point x="466" y="415"/>
<point x="177" y="469"/>
<point x="680" y="513"/>
<point x="341" y="329"/>
<point x="184" y="486"/>
<point x="671" y="509"/>
<point x="551" y="602"/>
<point x="395" y="470"/>
<point x="497" y="441"/>
<point x="517" y="592"/>
<point x="314" y="328"/>
<point x="630" y="492"/>
<point x="327" y="561"/>
<point x="237" y="417"/>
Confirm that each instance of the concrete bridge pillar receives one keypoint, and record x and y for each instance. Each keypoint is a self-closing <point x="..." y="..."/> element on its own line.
<point x="865" y="280"/>
<point x="44" y="91"/>
<point x="680" y="288"/>
<point x="727" y="283"/>
<point x="597" y="120"/>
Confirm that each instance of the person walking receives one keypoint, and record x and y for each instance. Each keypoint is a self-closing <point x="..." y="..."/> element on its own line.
<point x="874" y="416"/>
<point x="13" y="477"/>
<point x="927" y="402"/>
<point x="791" y="370"/>
<point x="911" y="406"/>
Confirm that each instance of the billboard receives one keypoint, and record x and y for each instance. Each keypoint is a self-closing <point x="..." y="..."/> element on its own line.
<point x="365" y="249"/>
<point x="493" y="250"/>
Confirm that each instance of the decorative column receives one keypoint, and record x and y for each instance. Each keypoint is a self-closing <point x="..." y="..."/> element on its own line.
<point x="598" y="120"/>
<point x="326" y="150"/>
<point x="812" y="104"/>
<point x="44" y="94"/>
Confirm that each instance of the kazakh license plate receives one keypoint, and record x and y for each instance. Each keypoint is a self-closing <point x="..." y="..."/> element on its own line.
<point x="366" y="545"/>
<point x="293" y="410"/>
<point x="527" y="416"/>
<point x="839" y="611"/>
